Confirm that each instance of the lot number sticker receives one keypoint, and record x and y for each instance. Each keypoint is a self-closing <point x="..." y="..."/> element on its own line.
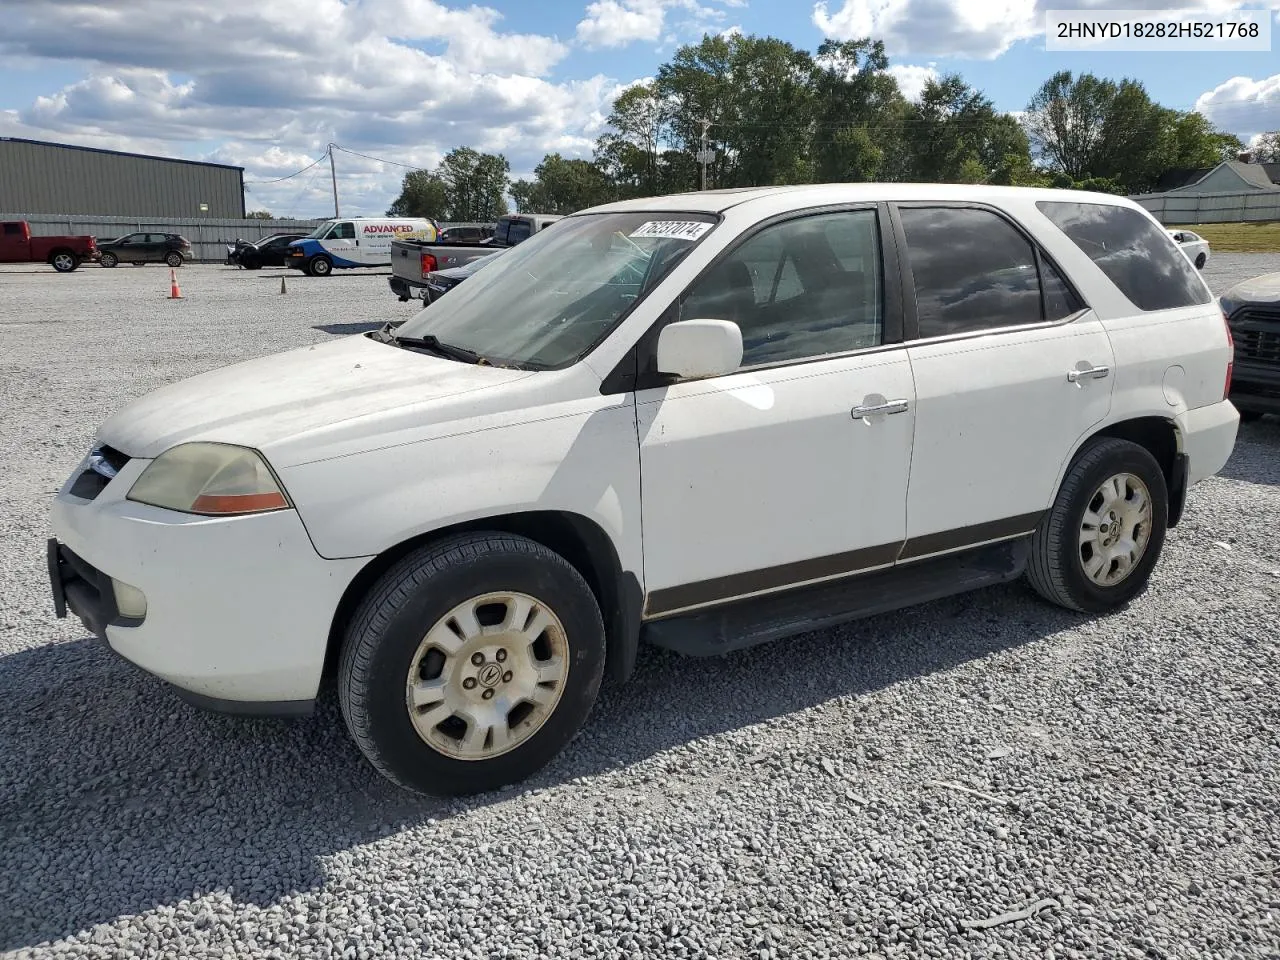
<point x="674" y="229"/>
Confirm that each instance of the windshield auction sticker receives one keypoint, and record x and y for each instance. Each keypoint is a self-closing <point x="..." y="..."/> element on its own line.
<point x="673" y="229"/>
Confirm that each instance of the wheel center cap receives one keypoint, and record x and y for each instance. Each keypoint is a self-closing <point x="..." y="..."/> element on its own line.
<point x="489" y="675"/>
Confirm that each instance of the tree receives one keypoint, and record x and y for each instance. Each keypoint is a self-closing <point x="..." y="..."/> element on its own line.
<point x="562" y="186"/>
<point x="476" y="184"/>
<point x="858" y="110"/>
<point x="628" y="153"/>
<point x="422" y="194"/>
<point x="259" y="215"/>
<point x="1065" y="120"/>
<point x="1266" y="149"/>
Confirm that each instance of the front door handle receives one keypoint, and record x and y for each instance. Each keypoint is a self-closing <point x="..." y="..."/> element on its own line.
<point x="1087" y="373"/>
<point x="875" y="409"/>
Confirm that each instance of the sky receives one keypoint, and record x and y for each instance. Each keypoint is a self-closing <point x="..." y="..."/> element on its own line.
<point x="267" y="84"/>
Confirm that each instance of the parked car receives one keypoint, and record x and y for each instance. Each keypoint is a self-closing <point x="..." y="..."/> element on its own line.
<point x="465" y="234"/>
<point x="63" y="253"/>
<point x="412" y="261"/>
<point x="441" y="282"/>
<point x="354" y="242"/>
<point x="703" y="422"/>
<point x="1252" y="309"/>
<point x="1194" y="246"/>
<point x="140" y="248"/>
<point x="267" y="252"/>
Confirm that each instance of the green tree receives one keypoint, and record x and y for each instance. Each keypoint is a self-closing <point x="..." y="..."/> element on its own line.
<point x="628" y="152"/>
<point x="422" y="194"/>
<point x="562" y="186"/>
<point x="475" y="183"/>
<point x="1266" y="149"/>
<point x="858" y="110"/>
<point x="259" y="215"/>
<point x="954" y="134"/>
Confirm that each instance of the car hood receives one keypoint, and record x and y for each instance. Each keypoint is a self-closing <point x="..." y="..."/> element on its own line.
<point x="1260" y="290"/>
<point x="280" y="397"/>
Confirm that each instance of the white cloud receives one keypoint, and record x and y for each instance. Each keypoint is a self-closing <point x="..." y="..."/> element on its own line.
<point x="267" y="86"/>
<point x="967" y="28"/>
<point x="1244" y="106"/>
<point x="912" y="79"/>
<point x="618" y="23"/>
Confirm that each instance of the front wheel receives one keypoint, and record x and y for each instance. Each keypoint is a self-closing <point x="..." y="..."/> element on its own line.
<point x="1201" y="261"/>
<point x="64" y="262"/>
<point x="173" y="259"/>
<point x="471" y="664"/>
<point x="320" y="267"/>
<point x="1096" y="546"/>
<point x="108" y="260"/>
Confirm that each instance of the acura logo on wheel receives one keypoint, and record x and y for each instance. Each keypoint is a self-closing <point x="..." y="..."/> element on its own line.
<point x="489" y="675"/>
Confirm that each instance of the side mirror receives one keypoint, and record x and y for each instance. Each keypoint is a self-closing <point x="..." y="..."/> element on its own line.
<point x="694" y="349"/>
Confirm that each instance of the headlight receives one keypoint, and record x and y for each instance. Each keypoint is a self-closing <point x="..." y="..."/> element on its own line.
<point x="214" y="479"/>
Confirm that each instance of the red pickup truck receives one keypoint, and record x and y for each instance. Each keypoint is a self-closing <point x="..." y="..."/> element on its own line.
<point x="64" y="254"/>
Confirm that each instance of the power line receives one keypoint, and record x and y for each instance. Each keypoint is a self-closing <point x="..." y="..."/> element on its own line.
<point x="290" y="176"/>
<point x="394" y="163"/>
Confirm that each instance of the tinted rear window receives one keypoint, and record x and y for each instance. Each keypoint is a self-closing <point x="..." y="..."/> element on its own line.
<point x="1136" y="255"/>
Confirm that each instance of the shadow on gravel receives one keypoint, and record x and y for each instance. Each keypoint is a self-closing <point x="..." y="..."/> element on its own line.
<point x="345" y="329"/>
<point x="1256" y="458"/>
<point x="116" y="797"/>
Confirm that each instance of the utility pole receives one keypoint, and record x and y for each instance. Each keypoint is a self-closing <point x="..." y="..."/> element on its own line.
<point x="704" y="155"/>
<point x="333" y="175"/>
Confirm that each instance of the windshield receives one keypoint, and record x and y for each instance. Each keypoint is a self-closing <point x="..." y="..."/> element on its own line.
<point x="319" y="231"/>
<point x="549" y="301"/>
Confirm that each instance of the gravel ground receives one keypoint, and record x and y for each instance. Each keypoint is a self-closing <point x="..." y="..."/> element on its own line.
<point x="859" y="792"/>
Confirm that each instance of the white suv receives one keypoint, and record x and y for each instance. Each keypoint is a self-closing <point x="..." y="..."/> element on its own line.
<point x="701" y="421"/>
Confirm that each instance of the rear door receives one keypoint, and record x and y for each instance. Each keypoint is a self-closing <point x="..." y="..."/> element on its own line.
<point x="14" y="247"/>
<point x="1011" y="369"/>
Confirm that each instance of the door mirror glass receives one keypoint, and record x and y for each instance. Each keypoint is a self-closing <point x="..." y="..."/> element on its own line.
<point x="695" y="349"/>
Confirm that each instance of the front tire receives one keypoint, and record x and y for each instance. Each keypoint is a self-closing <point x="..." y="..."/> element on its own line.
<point x="1095" y="548"/>
<point x="320" y="266"/>
<point x="173" y="258"/>
<point x="471" y="663"/>
<point x="108" y="260"/>
<point x="1201" y="261"/>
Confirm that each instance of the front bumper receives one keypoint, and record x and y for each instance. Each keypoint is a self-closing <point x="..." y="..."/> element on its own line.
<point x="238" y="609"/>
<point x="1256" y="386"/>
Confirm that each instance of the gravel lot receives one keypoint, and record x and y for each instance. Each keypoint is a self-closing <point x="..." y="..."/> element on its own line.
<point x="780" y="803"/>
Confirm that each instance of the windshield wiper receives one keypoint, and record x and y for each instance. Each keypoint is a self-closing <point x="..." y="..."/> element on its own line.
<point x="434" y="345"/>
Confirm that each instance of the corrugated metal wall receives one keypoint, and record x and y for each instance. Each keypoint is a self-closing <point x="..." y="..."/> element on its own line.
<point x="1182" y="207"/>
<point x="209" y="237"/>
<point x="56" y="179"/>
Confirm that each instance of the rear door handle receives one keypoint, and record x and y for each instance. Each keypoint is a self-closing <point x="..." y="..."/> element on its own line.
<point x="874" y="409"/>
<point x="1088" y="373"/>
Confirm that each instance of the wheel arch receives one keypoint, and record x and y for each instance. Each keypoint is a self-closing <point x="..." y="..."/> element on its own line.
<point x="1160" y="437"/>
<point x="57" y="250"/>
<point x="578" y="539"/>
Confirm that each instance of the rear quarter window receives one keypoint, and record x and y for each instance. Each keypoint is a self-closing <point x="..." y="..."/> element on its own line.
<point x="1139" y="257"/>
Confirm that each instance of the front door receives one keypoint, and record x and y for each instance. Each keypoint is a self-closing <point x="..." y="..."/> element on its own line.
<point x="132" y="248"/>
<point x="341" y="244"/>
<point x="793" y="469"/>
<point x="1011" y="371"/>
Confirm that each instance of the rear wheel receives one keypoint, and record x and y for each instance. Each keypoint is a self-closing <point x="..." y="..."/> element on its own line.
<point x="1201" y="261"/>
<point x="471" y="664"/>
<point x="108" y="260"/>
<point x="1095" y="548"/>
<point x="64" y="261"/>
<point x="173" y="258"/>
<point x="320" y="266"/>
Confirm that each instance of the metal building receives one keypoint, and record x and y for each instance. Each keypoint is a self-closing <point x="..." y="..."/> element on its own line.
<point x="57" y="178"/>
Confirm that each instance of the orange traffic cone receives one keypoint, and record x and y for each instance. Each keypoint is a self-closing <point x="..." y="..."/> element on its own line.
<point x="174" y="292"/>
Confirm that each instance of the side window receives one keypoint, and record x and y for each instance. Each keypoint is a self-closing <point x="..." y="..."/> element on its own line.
<point x="500" y="232"/>
<point x="342" y="231"/>
<point x="156" y="238"/>
<point x="13" y="229"/>
<point x="1134" y="253"/>
<point x="1060" y="301"/>
<point x="799" y="289"/>
<point x="973" y="271"/>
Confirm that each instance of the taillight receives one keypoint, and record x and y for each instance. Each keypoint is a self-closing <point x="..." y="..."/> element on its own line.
<point x="1231" y="343"/>
<point x="428" y="264"/>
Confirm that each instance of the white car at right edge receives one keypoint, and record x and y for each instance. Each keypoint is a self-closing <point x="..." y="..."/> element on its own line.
<point x="701" y="421"/>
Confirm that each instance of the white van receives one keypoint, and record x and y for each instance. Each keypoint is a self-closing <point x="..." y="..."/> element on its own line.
<point x="355" y="242"/>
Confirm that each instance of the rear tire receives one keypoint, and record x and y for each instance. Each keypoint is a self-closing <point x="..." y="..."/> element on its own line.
<point x="173" y="258"/>
<point x="1201" y="261"/>
<point x="1095" y="548"/>
<point x="108" y="260"/>
<point x="320" y="266"/>
<point x="64" y="261"/>
<point x="471" y="664"/>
